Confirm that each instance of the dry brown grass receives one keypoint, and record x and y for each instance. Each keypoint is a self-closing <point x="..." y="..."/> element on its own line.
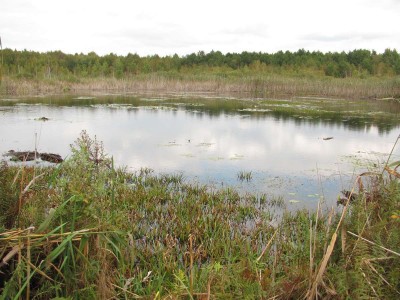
<point x="276" y="86"/>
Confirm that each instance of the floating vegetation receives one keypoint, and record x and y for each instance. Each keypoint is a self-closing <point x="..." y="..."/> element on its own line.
<point x="170" y="144"/>
<point x="42" y="119"/>
<point x="263" y="110"/>
<point x="190" y="155"/>
<point x="20" y="156"/>
<point x="84" y="98"/>
<point x="159" y="107"/>
<point x="113" y="106"/>
<point x="185" y="104"/>
<point x="312" y="195"/>
<point x="155" y="99"/>
<point x="293" y="201"/>
<point x="216" y="158"/>
<point x="237" y="157"/>
<point x="205" y="144"/>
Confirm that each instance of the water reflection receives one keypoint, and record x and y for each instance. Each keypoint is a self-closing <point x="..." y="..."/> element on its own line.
<point x="212" y="140"/>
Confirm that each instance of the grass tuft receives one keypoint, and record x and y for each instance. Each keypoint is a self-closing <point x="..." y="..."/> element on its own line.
<point x="245" y="176"/>
<point x="86" y="230"/>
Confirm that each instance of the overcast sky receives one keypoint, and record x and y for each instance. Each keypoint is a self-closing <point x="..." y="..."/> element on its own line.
<point x="166" y="27"/>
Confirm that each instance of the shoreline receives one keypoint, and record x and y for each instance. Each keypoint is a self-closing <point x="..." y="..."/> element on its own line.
<point x="273" y="86"/>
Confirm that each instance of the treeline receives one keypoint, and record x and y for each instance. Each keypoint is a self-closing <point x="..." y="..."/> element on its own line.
<point x="56" y="64"/>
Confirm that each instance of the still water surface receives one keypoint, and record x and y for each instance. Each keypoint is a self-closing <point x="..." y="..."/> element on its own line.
<point x="211" y="140"/>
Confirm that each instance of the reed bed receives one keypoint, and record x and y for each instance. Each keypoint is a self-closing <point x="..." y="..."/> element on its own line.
<point x="86" y="230"/>
<point x="245" y="176"/>
<point x="273" y="85"/>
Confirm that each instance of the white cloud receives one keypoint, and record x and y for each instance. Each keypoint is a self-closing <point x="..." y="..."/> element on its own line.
<point x="177" y="26"/>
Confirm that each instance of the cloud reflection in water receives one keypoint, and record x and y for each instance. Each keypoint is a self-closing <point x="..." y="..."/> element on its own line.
<point x="205" y="147"/>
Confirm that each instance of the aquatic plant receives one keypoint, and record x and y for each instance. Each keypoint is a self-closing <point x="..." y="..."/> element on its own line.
<point x="245" y="175"/>
<point x="86" y="230"/>
<point x="264" y="85"/>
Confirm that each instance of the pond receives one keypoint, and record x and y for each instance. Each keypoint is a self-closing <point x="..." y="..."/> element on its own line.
<point x="301" y="149"/>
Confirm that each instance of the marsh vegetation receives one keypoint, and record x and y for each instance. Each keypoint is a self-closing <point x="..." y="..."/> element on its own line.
<point x="353" y="75"/>
<point x="91" y="228"/>
<point x="244" y="175"/>
<point x="85" y="229"/>
<point x="210" y="139"/>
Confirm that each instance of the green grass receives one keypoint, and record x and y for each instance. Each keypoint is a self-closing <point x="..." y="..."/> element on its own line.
<point x="86" y="230"/>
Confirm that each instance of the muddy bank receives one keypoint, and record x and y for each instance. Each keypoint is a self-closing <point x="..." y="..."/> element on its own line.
<point x="34" y="155"/>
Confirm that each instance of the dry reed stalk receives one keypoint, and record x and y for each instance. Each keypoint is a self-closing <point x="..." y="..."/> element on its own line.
<point x="273" y="275"/>
<point x="20" y="246"/>
<point x="191" y="263"/>
<point x="313" y="290"/>
<point x="387" y="162"/>
<point x="313" y="240"/>
<point x="40" y="272"/>
<point x="30" y="183"/>
<point x="356" y="243"/>
<point x="11" y="235"/>
<point x="23" y="191"/>
<point x="25" y="239"/>
<point x="209" y="290"/>
<point x="124" y="290"/>
<point x="49" y="264"/>
<point x="370" y="285"/>
<point x="9" y="255"/>
<point x="343" y="238"/>
<point x="267" y="246"/>
<point x="275" y="86"/>
<point x="374" y="244"/>
<point x="28" y="266"/>
<point x="20" y="241"/>
<point x="318" y="278"/>
<point x="20" y="194"/>
<point x="16" y="176"/>
<point x="14" y="233"/>
<point x="329" y="289"/>
<point x="392" y="172"/>
<point x="368" y="263"/>
<point x="315" y="228"/>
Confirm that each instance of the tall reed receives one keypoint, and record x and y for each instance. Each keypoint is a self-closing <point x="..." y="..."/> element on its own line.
<point x="265" y="85"/>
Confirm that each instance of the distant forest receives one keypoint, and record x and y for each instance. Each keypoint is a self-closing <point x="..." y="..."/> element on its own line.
<point x="58" y="65"/>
